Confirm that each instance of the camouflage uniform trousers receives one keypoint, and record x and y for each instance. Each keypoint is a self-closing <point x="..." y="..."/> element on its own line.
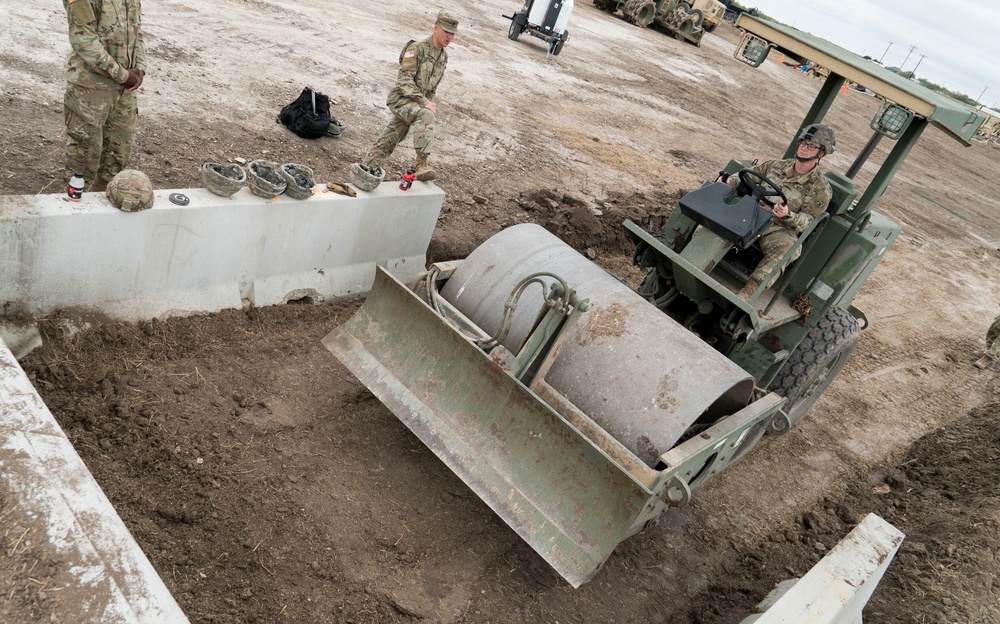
<point x="404" y="117"/>
<point x="100" y="129"/>
<point x="775" y="244"/>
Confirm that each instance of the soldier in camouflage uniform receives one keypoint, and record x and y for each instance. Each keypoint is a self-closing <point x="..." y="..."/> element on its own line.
<point x="411" y="100"/>
<point x="106" y="65"/>
<point x="808" y="195"/>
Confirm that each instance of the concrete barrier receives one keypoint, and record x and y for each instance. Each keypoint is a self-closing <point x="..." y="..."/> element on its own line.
<point x="213" y="253"/>
<point x="835" y="590"/>
<point x="102" y="573"/>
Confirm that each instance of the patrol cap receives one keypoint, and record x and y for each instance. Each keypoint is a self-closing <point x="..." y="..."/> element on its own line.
<point x="447" y="22"/>
<point x="130" y="191"/>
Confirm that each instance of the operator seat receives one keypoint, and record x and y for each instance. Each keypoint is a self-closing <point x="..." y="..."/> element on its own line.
<point x="844" y="192"/>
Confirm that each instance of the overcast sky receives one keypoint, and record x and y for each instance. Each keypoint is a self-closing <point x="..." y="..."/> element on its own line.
<point x="959" y="38"/>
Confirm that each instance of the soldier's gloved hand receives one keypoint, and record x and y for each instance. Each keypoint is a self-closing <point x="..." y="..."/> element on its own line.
<point x="134" y="79"/>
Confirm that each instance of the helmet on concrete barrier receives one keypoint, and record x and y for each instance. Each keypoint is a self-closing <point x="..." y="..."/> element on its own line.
<point x="130" y="191"/>
<point x="819" y="133"/>
<point x="263" y="179"/>
<point x="299" y="180"/>
<point x="364" y="179"/>
<point x="223" y="179"/>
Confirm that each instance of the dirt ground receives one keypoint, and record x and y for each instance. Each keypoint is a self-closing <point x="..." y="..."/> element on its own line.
<point x="267" y="485"/>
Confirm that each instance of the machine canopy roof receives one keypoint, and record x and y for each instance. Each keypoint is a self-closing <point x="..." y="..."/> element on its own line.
<point x="956" y="119"/>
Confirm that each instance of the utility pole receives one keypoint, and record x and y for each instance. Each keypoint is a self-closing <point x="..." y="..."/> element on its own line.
<point x="912" y="48"/>
<point x="884" y="53"/>
<point x="913" y="74"/>
<point x="981" y="96"/>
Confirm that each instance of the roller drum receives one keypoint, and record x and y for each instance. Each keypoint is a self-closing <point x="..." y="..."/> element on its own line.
<point x="636" y="372"/>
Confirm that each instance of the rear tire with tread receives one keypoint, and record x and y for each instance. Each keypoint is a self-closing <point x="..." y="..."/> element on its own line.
<point x="640" y="12"/>
<point x="816" y="362"/>
<point x="514" y="31"/>
<point x="558" y="46"/>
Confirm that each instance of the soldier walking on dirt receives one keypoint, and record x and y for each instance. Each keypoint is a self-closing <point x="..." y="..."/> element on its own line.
<point x="808" y="194"/>
<point x="105" y="67"/>
<point x="411" y="101"/>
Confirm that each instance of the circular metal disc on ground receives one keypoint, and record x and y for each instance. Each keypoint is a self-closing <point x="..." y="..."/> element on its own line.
<point x="179" y="198"/>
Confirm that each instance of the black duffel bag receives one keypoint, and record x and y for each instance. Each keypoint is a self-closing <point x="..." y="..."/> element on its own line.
<point x="308" y="116"/>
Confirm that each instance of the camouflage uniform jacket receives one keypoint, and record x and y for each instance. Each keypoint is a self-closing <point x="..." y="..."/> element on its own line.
<point x="808" y="194"/>
<point x="421" y="68"/>
<point x="106" y="42"/>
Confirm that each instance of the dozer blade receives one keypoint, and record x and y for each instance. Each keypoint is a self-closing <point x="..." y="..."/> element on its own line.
<point x="559" y="492"/>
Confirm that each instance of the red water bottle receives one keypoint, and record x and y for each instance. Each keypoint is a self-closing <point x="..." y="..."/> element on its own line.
<point x="407" y="181"/>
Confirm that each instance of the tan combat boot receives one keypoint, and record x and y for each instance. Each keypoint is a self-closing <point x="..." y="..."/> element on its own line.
<point x="424" y="171"/>
<point x="748" y="289"/>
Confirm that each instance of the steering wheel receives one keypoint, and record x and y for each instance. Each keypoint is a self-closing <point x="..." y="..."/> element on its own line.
<point x="763" y="189"/>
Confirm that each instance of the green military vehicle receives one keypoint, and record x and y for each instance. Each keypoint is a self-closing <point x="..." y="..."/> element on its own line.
<point x="713" y="13"/>
<point x="580" y="410"/>
<point x="686" y="21"/>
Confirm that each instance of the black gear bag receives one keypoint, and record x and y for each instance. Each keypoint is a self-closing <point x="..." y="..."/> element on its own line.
<point x="308" y="116"/>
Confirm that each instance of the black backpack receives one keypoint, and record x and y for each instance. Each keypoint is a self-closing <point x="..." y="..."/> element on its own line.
<point x="308" y="116"/>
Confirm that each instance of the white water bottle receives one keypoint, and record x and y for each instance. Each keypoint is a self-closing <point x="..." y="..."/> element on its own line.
<point x="76" y="187"/>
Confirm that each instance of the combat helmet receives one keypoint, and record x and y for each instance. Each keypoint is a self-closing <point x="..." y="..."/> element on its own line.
<point x="130" y="190"/>
<point x="263" y="179"/>
<point x="223" y="179"/>
<point x="299" y="180"/>
<point x="366" y="179"/>
<point x="819" y="133"/>
<point x="335" y="128"/>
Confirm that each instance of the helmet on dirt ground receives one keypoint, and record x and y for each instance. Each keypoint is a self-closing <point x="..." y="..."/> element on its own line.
<point x="819" y="133"/>
<point x="335" y="128"/>
<point x="130" y="190"/>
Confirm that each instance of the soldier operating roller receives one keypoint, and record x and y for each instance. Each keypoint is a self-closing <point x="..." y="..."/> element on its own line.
<point x="808" y="195"/>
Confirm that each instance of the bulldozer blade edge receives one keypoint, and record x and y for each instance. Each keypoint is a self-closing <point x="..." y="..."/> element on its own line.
<point x="564" y="496"/>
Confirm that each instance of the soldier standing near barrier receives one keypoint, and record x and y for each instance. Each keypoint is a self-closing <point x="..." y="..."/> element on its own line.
<point x="105" y="67"/>
<point x="411" y="101"/>
<point x="808" y="194"/>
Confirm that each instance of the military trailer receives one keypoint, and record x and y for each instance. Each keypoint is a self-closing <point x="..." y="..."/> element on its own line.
<point x="544" y="20"/>
<point x="713" y="12"/>
<point x="684" y="20"/>
<point x="579" y="409"/>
